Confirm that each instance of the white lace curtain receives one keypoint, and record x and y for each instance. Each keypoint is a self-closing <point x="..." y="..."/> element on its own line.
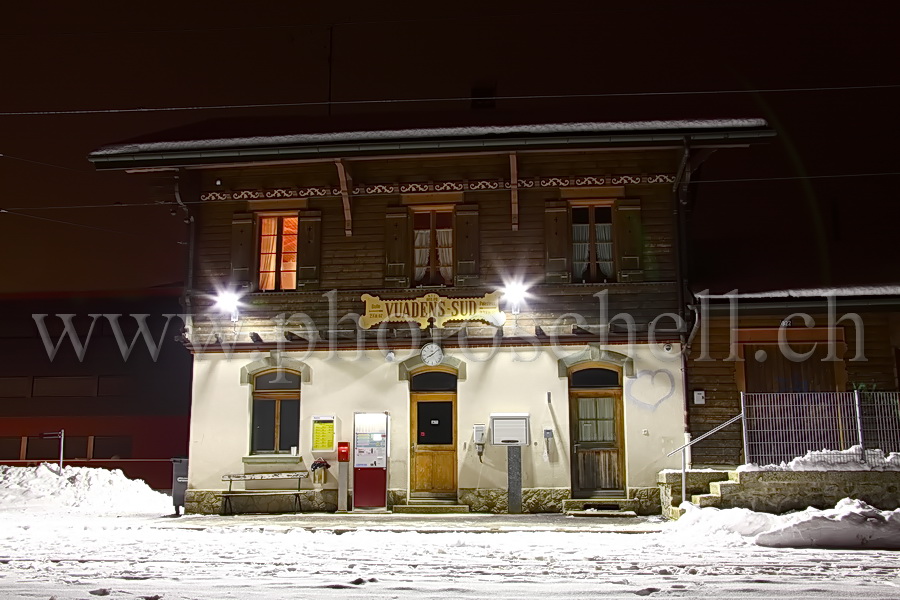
<point x="445" y="254"/>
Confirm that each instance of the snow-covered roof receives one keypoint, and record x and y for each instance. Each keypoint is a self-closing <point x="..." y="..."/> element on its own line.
<point x="469" y="132"/>
<point x="840" y="292"/>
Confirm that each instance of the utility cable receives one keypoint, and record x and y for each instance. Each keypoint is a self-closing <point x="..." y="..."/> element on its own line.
<point x="446" y="99"/>
<point x="82" y="225"/>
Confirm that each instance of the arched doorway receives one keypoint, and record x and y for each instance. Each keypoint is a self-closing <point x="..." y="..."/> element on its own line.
<point x="597" y="432"/>
<point x="433" y="434"/>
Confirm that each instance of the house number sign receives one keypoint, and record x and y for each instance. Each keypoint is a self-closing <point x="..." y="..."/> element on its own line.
<point x="430" y="306"/>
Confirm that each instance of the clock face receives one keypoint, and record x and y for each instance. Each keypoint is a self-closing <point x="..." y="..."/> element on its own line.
<point x="432" y="354"/>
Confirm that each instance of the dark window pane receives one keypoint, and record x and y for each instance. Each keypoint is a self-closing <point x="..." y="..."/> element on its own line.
<point x="9" y="448"/>
<point x="433" y="381"/>
<point x="263" y="426"/>
<point x="435" y="423"/>
<point x="15" y="387"/>
<point x="65" y="386"/>
<point x="42" y="449"/>
<point x="580" y="216"/>
<point x="422" y="220"/>
<point x="278" y="380"/>
<point x="76" y="447"/>
<point x="595" y="378"/>
<point x="113" y="446"/>
<point x="443" y="220"/>
<point x="289" y="434"/>
<point x="602" y="214"/>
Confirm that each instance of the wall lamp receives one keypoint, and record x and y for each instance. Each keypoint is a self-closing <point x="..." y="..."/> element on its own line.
<point x="229" y="302"/>
<point x="514" y="294"/>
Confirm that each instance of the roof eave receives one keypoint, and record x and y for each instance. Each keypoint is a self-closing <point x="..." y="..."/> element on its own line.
<point x="211" y="157"/>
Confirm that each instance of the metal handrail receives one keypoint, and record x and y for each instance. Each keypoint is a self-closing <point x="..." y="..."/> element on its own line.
<point x="684" y="448"/>
<point x="707" y="434"/>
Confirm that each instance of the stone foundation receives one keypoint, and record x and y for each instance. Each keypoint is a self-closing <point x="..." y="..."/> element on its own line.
<point x="534" y="500"/>
<point x="648" y="500"/>
<point x="209" y="502"/>
<point x="783" y="491"/>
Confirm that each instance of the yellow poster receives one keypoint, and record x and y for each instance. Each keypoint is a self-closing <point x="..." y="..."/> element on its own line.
<point x="323" y="434"/>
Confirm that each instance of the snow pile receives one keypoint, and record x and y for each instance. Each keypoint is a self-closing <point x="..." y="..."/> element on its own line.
<point x="850" y="524"/>
<point x="79" y="490"/>
<point x="835" y="460"/>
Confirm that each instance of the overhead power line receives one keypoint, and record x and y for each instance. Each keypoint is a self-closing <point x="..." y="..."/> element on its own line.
<point x="98" y="111"/>
<point x="84" y="226"/>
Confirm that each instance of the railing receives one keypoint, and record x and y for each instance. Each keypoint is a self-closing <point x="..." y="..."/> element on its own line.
<point x="779" y="427"/>
<point x="684" y="448"/>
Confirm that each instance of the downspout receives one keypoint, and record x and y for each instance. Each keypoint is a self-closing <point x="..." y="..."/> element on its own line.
<point x="187" y="298"/>
<point x="679" y="189"/>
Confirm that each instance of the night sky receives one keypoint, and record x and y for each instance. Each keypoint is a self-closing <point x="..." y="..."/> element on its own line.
<point x="772" y="233"/>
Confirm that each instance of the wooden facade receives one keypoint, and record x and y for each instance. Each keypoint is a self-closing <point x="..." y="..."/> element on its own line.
<point x="376" y="257"/>
<point x="723" y="363"/>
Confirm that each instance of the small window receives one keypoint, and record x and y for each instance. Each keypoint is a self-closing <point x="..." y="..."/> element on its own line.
<point x="433" y="247"/>
<point x="10" y="447"/>
<point x="276" y="413"/>
<point x="278" y="253"/>
<point x="595" y="378"/>
<point x="592" y="244"/>
<point x="433" y="381"/>
<point x="112" y="446"/>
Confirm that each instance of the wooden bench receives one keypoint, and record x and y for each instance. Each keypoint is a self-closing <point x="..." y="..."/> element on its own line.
<point x="228" y="508"/>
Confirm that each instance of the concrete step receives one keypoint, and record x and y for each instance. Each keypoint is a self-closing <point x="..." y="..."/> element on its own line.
<point x="622" y="514"/>
<point x="607" y="504"/>
<point x="705" y="500"/>
<point x="673" y="512"/>
<point x="430" y="509"/>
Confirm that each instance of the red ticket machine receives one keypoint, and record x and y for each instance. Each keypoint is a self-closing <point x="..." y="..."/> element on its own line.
<point x="370" y="460"/>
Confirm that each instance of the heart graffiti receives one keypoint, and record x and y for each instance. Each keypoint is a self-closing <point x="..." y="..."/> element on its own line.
<point x="650" y="389"/>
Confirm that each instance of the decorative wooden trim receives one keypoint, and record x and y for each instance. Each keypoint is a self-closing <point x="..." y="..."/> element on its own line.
<point x="347" y="189"/>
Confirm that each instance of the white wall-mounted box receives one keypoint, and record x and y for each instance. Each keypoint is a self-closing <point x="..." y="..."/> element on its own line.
<point x="510" y="429"/>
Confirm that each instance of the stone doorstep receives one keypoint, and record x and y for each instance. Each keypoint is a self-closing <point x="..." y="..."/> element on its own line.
<point x="623" y="514"/>
<point x="582" y="504"/>
<point x="422" y="508"/>
<point x="706" y="500"/>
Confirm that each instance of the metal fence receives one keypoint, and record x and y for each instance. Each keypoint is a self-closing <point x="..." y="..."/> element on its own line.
<point x="781" y="427"/>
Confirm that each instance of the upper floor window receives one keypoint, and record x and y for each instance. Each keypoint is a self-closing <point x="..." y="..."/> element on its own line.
<point x="433" y="247"/>
<point x="593" y="241"/>
<point x="275" y="251"/>
<point x="592" y="244"/>
<point x="278" y="253"/>
<point x="431" y="244"/>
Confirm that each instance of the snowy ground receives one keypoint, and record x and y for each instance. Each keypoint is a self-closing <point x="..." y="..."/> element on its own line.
<point x="77" y="546"/>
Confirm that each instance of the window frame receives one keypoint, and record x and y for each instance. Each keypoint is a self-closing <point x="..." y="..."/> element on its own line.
<point x="279" y="237"/>
<point x="590" y="204"/>
<point x="433" y="272"/>
<point x="278" y="396"/>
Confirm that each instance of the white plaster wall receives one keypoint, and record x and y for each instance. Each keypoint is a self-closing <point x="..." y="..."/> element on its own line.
<point x="504" y="380"/>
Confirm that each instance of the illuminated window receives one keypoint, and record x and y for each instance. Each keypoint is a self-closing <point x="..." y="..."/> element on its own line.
<point x="433" y="247"/>
<point x="278" y="253"/>
<point x="276" y="413"/>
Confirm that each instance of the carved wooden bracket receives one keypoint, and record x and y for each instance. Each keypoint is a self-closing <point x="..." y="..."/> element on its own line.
<point x="346" y="186"/>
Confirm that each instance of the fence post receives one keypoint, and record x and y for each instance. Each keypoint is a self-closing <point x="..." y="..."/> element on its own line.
<point x="744" y="427"/>
<point x="859" y="426"/>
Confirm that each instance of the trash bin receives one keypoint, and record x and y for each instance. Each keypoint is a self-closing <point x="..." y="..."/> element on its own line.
<point x="179" y="482"/>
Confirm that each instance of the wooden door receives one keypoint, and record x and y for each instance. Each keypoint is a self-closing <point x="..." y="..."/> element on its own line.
<point x="433" y="443"/>
<point x="766" y="369"/>
<point x="598" y="453"/>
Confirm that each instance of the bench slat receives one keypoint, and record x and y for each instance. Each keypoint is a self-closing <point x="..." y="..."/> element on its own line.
<point x="265" y="476"/>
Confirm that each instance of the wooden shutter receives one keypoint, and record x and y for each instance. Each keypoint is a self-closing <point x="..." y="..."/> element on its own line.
<point x="467" y="245"/>
<point x="242" y="250"/>
<point x="309" y="245"/>
<point x="628" y="240"/>
<point x="397" y="250"/>
<point x="556" y="242"/>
